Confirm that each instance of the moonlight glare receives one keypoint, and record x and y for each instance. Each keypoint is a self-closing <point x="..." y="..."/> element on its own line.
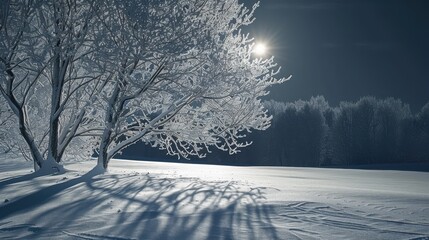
<point x="260" y="49"/>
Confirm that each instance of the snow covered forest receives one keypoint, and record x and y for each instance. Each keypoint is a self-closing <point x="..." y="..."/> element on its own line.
<point x="313" y="133"/>
<point x="368" y="131"/>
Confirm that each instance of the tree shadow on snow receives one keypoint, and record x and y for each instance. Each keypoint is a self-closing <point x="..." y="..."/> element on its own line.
<point x="38" y="197"/>
<point x="21" y="178"/>
<point x="142" y="206"/>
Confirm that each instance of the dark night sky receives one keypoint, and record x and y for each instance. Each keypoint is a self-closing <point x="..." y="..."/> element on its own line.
<point x="346" y="49"/>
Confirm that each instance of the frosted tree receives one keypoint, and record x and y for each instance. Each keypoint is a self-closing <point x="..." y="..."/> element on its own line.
<point x="49" y="75"/>
<point x="387" y="121"/>
<point x="14" y="21"/>
<point x="177" y="74"/>
<point x="11" y="141"/>
<point x="183" y="77"/>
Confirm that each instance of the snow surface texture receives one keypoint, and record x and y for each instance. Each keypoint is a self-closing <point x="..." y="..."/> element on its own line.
<point x="148" y="200"/>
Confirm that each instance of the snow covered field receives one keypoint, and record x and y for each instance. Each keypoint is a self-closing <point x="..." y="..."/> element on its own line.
<point x="148" y="200"/>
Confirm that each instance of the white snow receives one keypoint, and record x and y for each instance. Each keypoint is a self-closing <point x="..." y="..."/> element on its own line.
<point x="150" y="200"/>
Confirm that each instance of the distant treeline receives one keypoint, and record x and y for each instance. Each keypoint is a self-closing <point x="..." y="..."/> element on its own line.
<point x="312" y="133"/>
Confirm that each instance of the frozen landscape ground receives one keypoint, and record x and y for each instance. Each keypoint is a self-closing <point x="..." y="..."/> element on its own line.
<point x="150" y="200"/>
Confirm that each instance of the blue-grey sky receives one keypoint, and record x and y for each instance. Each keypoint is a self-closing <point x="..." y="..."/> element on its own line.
<point x="345" y="49"/>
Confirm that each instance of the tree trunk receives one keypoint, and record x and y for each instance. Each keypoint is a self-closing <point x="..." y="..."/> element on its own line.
<point x="103" y="160"/>
<point x="55" y="103"/>
<point x="111" y="119"/>
<point x="35" y="153"/>
<point x="19" y="111"/>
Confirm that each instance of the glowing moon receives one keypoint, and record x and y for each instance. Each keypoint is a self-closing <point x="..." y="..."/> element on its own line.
<point x="260" y="49"/>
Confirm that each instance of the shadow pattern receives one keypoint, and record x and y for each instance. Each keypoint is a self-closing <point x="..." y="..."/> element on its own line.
<point x="138" y="206"/>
